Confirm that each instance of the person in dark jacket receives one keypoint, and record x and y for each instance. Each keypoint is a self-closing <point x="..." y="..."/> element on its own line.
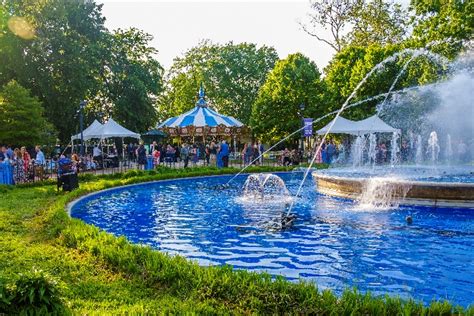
<point x="141" y="156"/>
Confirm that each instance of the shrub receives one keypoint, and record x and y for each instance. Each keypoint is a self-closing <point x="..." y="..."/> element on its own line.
<point x="35" y="292"/>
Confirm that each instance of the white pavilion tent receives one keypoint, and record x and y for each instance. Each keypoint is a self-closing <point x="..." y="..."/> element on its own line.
<point x="339" y="125"/>
<point x="370" y="125"/>
<point x="374" y="124"/>
<point x="91" y="129"/>
<point x="112" y="129"/>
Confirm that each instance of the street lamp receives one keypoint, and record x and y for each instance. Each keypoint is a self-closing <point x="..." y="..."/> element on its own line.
<point x="302" y="125"/>
<point x="82" y="105"/>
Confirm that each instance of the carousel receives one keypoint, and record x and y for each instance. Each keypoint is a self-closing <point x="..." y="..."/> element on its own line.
<point x="204" y="123"/>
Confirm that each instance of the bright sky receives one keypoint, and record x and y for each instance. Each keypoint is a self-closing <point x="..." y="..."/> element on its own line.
<point x="181" y="24"/>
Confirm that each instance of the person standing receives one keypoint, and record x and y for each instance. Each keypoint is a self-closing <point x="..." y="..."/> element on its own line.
<point x="261" y="150"/>
<point x="404" y="151"/>
<point x="141" y="156"/>
<point x="18" y="167"/>
<point x="10" y="153"/>
<point x="40" y="161"/>
<point x="26" y="158"/>
<point x="3" y="155"/>
<point x="97" y="155"/>
<point x="219" y="162"/>
<point x="245" y="154"/>
<point x="208" y="154"/>
<point x="213" y="149"/>
<point x="185" y="154"/>
<point x="225" y="154"/>
<point x="331" y="151"/>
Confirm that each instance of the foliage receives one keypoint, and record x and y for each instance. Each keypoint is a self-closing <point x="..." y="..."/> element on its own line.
<point x="349" y="67"/>
<point x="21" y="118"/>
<point x="294" y="81"/>
<point x="60" y="62"/>
<point x="333" y="15"/>
<point x="231" y="74"/>
<point x="357" y="22"/>
<point x="378" y="22"/>
<point x="130" y="81"/>
<point x="444" y="25"/>
<point x="72" y="57"/>
<point x="34" y="292"/>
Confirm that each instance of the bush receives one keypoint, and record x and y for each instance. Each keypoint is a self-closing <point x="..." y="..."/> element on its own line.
<point x="33" y="293"/>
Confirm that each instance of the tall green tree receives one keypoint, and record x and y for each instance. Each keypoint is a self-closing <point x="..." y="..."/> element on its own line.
<point x="21" y="118"/>
<point x="231" y="73"/>
<point x="276" y="112"/>
<point x="445" y="26"/>
<point x="348" y="68"/>
<point x="61" y="62"/>
<point x="130" y="81"/>
<point x="69" y="55"/>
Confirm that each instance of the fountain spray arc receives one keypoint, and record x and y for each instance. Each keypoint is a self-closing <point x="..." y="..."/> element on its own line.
<point x="413" y="52"/>
<point x="376" y="68"/>
<point x="376" y="97"/>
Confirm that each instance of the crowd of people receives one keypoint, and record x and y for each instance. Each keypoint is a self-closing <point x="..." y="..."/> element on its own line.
<point x="26" y="165"/>
<point x="214" y="153"/>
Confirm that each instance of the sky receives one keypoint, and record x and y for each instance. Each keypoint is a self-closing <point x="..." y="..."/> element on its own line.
<point x="179" y="25"/>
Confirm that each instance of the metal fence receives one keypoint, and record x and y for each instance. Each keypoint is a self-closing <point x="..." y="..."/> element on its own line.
<point x="34" y="173"/>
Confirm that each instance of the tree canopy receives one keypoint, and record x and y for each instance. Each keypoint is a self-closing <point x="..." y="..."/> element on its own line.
<point x="231" y="73"/>
<point x="276" y="112"/>
<point x="21" y="118"/>
<point x="71" y="56"/>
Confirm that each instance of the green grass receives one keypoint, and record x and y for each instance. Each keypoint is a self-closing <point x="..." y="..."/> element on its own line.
<point x="52" y="263"/>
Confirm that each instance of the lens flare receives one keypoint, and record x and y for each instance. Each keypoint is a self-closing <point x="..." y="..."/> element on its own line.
<point x="21" y="27"/>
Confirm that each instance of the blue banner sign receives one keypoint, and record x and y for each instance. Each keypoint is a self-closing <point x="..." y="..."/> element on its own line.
<point x="308" y="127"/>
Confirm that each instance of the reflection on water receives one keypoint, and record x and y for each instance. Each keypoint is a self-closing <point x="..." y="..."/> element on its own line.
<point x="330" y="242"/>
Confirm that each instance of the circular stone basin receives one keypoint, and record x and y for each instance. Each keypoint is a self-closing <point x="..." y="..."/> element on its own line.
<point x="332" y="242"/>
<point x="439" y="187"/>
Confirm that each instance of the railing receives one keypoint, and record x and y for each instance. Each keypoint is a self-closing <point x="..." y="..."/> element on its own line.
<point x="50" y="169"/>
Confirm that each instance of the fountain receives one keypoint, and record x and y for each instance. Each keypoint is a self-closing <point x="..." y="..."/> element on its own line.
<point x="372" y="150"/>
<point x="447" y="109"/>
<point x="433" y="147"/>
<point x="395" y="150"/>
<point x="449" y="150"/>
<point x="331" y="232"/>
<point x="358" y="151"/>
<point x="265" y="187"/>
<point x="419" y="151"/>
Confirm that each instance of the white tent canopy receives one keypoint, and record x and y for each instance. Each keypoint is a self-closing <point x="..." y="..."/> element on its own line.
<point x="370" y="125"/>
<point x="340" y="126"/>
<point x="92" y="129"/>
<point x="374" y="124"/>
<point x="111" y="129"/>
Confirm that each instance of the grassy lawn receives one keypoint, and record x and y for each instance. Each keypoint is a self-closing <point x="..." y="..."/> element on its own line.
<point x="52" y="263"/>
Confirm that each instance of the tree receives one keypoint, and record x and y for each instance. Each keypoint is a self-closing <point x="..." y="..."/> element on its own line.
<point x="130" y="81"/>
<point x="445" y="26"/>
<point x="276" y="111"/>
<point x="334" y="15"/>
<point x="61" y="63"/>
<point x="357" y="21"/>
<point x="72" y="56"/>
<point x="231" y="73"/>
<point x="21" y="118"/>
<point x="349" y="67"/>
<point x="378" y="22"/>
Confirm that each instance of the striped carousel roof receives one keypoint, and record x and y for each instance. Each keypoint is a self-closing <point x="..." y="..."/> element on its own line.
<point x="201" y="116"/>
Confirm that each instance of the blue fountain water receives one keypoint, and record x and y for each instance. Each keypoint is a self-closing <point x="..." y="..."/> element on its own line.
<point x="330" y="243"/>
